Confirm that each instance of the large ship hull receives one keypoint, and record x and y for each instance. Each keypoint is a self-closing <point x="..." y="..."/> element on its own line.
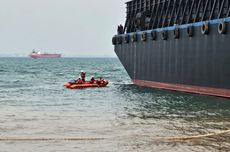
<point x="45" y="55"/>
<point x="197" y="64"/>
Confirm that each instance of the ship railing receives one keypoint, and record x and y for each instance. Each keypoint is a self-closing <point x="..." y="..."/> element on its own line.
<point x="165" y="13"/>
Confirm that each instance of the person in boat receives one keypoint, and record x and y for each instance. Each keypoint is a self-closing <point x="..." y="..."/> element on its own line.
<point x="79" y="80"/>
<point x="100" y="81"/>
<point x="83" y="75"/>
<point x="92" y="80"/>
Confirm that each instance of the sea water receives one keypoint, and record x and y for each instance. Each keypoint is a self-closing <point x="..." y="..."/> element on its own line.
<point x="119" y="118"/>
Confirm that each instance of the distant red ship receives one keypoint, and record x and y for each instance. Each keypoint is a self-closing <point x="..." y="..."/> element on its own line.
<point x="38" y="54"/>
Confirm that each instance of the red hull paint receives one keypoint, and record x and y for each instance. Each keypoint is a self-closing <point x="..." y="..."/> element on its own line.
<point x="45" y="55"/>
<point x="185" y="88"/>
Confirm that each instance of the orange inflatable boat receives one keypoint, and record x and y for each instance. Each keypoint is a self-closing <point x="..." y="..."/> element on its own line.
<point x="97" y="83"/>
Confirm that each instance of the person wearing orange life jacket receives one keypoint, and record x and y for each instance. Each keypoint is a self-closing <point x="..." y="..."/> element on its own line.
<point x="83" y="75"/>
<point x="100" y="81"/>
<point x="79" y="80"/>
<point x="92" y="80"/>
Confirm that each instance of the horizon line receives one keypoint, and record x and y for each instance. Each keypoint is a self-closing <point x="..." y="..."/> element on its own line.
<point x="62" y="57"/>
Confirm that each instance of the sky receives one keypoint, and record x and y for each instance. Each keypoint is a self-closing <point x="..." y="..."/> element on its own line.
<point x="75" y="28"/>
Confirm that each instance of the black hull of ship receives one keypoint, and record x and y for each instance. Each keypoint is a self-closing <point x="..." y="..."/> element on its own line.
<point x="197" y="64"/>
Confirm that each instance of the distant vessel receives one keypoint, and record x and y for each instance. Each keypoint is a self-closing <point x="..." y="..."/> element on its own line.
<point x="38" y="54"/>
